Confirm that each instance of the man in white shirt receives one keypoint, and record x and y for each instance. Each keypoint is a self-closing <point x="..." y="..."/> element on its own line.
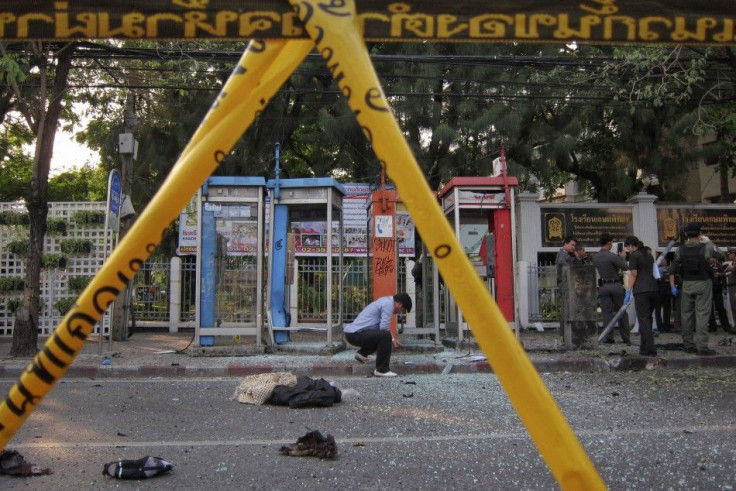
<point x="371" y="331"/>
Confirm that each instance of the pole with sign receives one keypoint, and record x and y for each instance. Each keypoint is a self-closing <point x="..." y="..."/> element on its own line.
<point x="112" y="223"/>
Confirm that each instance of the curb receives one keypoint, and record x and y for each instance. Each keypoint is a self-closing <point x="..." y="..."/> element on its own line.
<point x="342" y="369"/>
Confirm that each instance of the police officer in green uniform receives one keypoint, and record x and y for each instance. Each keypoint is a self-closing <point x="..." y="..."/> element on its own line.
<point x="691" y="261"/>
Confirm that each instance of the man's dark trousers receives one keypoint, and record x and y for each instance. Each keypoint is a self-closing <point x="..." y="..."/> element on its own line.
<point x="611" y="297"/>
<point x="373" y="341"/>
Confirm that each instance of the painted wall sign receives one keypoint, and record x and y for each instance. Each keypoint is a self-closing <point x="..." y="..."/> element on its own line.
<point x="585" y="224"/>
<point x="607" y="21"/>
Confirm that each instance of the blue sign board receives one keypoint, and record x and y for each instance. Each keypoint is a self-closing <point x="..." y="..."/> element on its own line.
<point x="114" y="192"/>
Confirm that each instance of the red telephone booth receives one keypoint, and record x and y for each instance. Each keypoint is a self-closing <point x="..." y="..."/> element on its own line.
<point x="479" y="210"/>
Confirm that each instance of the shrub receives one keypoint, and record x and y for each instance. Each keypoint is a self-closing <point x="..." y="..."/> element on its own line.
<point x="78" y="283"/>
<point x="19" y="247"/>
<point x="88" y="217"/>
<point x="12" y="305"/>
<point x="11" y="284"/>
<point x="53" y="261"/>
<point x="14" y="218"/>
<point x="76" y="246"/>
<point x="55" y="226"/>
<point x="65" y="305"/>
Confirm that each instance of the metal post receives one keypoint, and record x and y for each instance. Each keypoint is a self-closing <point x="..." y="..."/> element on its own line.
<point x="118" y="328"/>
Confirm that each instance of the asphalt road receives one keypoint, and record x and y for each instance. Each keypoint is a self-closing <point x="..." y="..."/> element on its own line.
<point x="643" y="430"/>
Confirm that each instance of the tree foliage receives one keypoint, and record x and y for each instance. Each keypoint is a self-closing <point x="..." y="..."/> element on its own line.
<point x="88" y="183"/>
<point x="599" y="115"/>
<point x="33" y="93"/>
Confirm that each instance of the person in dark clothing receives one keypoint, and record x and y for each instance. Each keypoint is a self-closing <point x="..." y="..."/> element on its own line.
<point x="644" y="288"/>
<point x="719" y="274"/>
<point x="580" y="256"/>
<point x="611" y="291"/>
<point x="565" y="257"/>
<point x="731" y="281"/>
<point x="663" y="309"/>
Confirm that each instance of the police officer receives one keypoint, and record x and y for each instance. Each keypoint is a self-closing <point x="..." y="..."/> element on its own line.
<point x="644" y="287"/>
<point x="731" y="282"/>
<point x="691" y="261"/>
<point x="565" y="258"/>
<point x="611" y="293"/>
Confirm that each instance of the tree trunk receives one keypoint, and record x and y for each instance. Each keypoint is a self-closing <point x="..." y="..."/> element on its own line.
<point x="25" y="325"/>
<point x="724" y="174"/>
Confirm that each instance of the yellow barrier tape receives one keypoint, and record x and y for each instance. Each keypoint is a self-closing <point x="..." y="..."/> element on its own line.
<point x="334" y="28"/>
<point x="259" y="74"/>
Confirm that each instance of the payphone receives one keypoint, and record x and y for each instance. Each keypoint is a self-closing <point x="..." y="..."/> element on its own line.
<point x="479" y="210"/>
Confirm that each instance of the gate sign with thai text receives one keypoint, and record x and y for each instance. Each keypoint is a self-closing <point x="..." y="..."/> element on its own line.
<point x="719" y="224"/>
<point x="592" y="21"/>
<point x="585" y="224"/>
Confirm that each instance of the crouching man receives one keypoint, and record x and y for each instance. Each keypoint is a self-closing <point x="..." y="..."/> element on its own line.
<point x="371" y="331"/>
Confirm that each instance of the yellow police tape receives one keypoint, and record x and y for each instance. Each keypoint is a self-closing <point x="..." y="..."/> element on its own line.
<point x="260" y="73"/>
<point x="334" y="28"/>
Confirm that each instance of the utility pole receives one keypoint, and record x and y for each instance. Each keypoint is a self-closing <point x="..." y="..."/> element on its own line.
<point x="127" y="149"/>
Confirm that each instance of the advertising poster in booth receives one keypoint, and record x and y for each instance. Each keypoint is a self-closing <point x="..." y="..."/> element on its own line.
<point x="237" y="224"/>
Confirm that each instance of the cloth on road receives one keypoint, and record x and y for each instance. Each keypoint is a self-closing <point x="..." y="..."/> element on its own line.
<point x="307" y="392"/>
<point x="257" y="389"/>
<point x="313" y="444"/>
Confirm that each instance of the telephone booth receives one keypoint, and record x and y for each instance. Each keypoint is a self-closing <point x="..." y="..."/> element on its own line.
<point x="479" y="211"/>
<point x="391" y="236"/>
<point x="230" y="252"/>
<point x="305" y="222"/>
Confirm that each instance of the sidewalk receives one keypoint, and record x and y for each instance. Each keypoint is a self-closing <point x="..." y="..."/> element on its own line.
<point x="156" y="354"/>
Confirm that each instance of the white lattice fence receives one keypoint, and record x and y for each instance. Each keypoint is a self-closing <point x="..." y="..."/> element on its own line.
<point x="61" y="280"/>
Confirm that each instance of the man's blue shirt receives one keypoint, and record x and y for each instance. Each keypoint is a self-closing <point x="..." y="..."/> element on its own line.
<point x="377" y="315"/>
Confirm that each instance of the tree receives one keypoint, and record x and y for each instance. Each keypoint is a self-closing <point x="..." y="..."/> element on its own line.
<point x="600" y="115"/>
<point x="84" y="184"/>
<point x="677" y="94"/>
<point x="15" y="165"/>
<point x="39" y="97"/>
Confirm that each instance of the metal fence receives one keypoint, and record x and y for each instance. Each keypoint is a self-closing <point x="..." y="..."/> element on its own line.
<point x="544" y="296"/>
<point x="150" y="292"/>
<point x="188" y="291"/>
<point x="151" y="287"/>
<point x="356" y="292"/>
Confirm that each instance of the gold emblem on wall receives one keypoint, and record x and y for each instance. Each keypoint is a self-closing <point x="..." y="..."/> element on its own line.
<point x="669" y="228"/>
<point x="555" y="227"/>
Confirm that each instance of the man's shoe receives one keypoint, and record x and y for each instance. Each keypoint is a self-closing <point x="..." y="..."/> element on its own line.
<point x="609" y="341"/>
<point x="376" y="373"/>
<point x="690" y="350"/>
<point x="362" y="359"/>
<point x="706" y="352"/>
